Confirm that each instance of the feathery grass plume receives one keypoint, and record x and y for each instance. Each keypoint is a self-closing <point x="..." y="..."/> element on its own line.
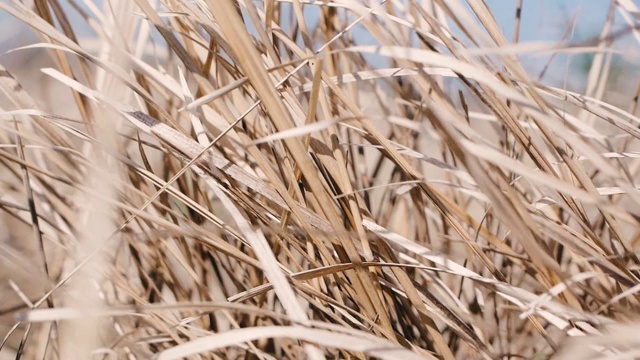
<point x="221" y="179"/>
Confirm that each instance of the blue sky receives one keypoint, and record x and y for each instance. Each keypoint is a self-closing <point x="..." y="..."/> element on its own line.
<point x="546" y="19"/>
<point x="542" y="20"/>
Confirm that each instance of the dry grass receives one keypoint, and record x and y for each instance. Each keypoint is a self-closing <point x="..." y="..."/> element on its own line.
<point x="221" y="179"/>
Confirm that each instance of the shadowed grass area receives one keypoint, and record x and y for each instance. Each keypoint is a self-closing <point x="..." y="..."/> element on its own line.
<point x="294" y="179"/>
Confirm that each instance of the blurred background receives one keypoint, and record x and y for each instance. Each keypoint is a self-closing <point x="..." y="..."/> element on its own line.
<point x="553" y="21"/>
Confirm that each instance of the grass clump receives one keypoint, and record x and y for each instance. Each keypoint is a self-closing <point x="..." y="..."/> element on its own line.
<point x="294" y="179"/>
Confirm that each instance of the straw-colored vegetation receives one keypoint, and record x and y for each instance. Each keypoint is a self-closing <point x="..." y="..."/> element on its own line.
<point x="286" y="179"/>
